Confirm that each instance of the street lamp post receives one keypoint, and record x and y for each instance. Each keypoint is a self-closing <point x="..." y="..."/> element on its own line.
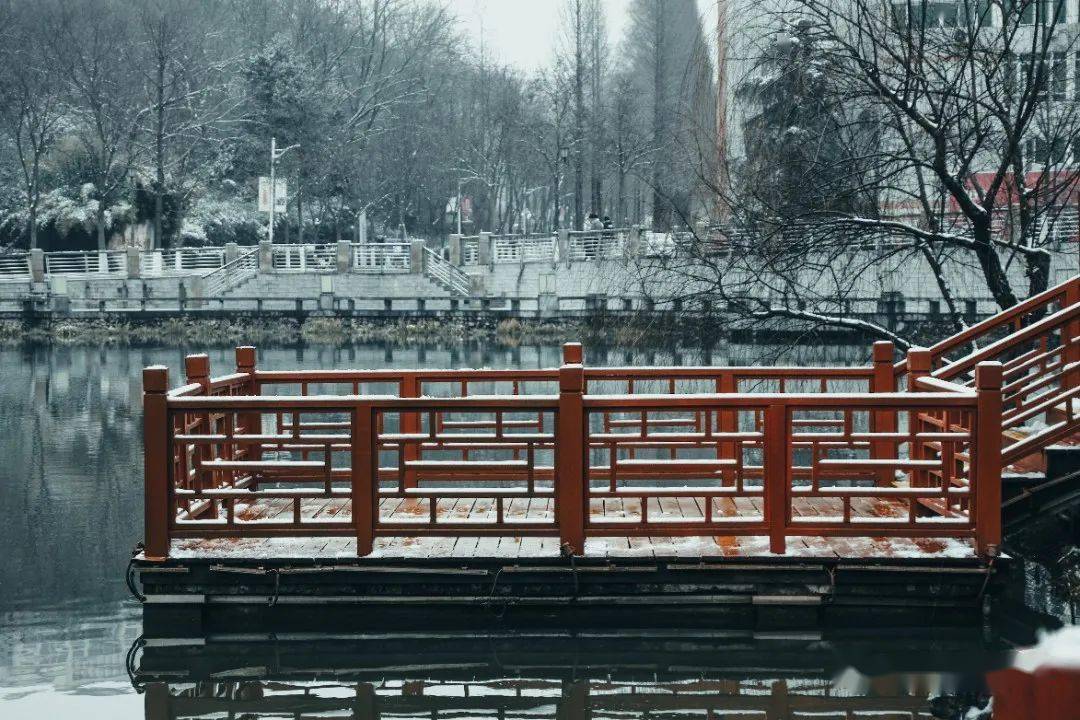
<point x="459" y="184"/>
<point x="275" y="155"/>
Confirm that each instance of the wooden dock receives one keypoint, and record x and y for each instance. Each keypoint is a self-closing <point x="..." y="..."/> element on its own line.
<point x="755" y="494"/>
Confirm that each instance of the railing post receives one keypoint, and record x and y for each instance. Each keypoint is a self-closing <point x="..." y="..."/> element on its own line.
<point x="455" y="250"/>
<point x="132" y="263"/>
<point x="571" y="448"/>
<point x="410" y="423"/>
<point x="251" y="421"/>
<point x="986" y="468"/>
<point x="918" y="361"/>
<point x="483" y="249"/>
<point x="416" y="257"/>
<point x="1070" y="336"/>
<point x="775" y="476"/>
<point x="883" y="421"/>
<point x="266" y="256"/>
<point x="343" y="256"/>
<point x="156" y="491"/>
<point x="728" y="422"/>
<point x="364" y="498"/>
<point x="197" y="370"/>
<point x="37" y="265"/>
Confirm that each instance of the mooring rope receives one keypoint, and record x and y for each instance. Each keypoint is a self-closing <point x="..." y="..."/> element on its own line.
<point x="129" y="576"/>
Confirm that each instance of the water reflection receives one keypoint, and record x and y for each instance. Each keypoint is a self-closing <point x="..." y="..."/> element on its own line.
<point x="566" y="676"/>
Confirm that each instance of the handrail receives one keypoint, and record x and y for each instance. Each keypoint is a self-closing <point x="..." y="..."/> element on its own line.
<point x="445" y="273"/>
<point x="1005" y="317"/>
<point x="231" y="274"/>
<point x="995" y="349"/>
<point x="214" y="442"/>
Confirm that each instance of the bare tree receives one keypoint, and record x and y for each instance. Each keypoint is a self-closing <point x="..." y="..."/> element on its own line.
<point x="30" y="106"/>
<point x="90" y="41"/>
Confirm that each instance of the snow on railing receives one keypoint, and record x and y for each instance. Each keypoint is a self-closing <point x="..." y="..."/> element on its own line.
<point x="231" y="274"/>
<point x="523" y="248"/>
<point x="104" y="263"/>
<point x="15" y="267"/>
<point x="445" y="273"/>
<point x="181" y="261"/>
<point x="382" y="257"/>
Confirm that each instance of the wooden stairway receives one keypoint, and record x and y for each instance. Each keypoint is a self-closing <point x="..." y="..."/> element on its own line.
<point x="1037" y="343"/>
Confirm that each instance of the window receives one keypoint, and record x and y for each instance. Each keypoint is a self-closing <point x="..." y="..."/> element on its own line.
<point x="1057" y="74"/>
<point x="929" y="14"/>
<point x="1054" y="12"/>
<point x="1040" y="151"/>
<point x="1025" y="9"/>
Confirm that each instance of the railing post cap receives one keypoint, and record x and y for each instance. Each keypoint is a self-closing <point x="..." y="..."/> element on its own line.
<point x="988" y="375"/>
<point x="197" y="365"/>
<point x="245" y="356"/>
<point x="572" y="378"/>
<point x="572" y="353"/>
<point x="155" y="379"/>
<point x="883" y="351"/>
<point x="919" y="359"/>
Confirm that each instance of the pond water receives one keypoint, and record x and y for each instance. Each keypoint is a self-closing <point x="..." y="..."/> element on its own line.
<point x="71" y="496"/>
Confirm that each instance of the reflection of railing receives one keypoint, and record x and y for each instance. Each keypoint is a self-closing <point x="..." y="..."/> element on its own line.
<point x="778" y="453"/>
<point x="15" y="267"/>
<point x="382" y="257"/>
<point x="82" y="264"/>
<point x="537" y="696"/>
<point x="232" y="274"/>
<point x="445" y="273"/>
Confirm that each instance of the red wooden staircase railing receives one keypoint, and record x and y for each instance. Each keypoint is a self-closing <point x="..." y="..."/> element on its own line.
<point x="1038" y="344"/>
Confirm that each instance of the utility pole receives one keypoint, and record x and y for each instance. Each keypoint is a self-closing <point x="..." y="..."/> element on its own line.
<point x="275" y="155"/>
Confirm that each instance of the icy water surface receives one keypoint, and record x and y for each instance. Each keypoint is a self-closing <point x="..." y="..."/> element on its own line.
<point x="71" y="502"/>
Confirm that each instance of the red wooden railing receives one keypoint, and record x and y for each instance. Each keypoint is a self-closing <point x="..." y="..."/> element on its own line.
<point x="571" y="453"/>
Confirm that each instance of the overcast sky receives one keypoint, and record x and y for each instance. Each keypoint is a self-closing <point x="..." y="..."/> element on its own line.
<point x="523" y="32"/>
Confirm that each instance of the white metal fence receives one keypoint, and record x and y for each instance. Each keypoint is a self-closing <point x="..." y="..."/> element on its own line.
<point x="382" y="257"/>
<point x="15" y="267"/>
<point x="470" y="250"/>
<point x="181" y="261"/>
<point x="524" y="248"/>
<point x="596" y="244"/>
<point x="105" y="263"/>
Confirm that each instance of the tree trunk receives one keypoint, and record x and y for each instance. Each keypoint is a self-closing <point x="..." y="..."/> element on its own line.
<point x="299" y="214"/>
<point x="996" y="279"/>
<point x="1038" y="272"/>
<point x="33" y="226"/>
<point x="159" y="208"/>
<point x="102" y="241"/>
